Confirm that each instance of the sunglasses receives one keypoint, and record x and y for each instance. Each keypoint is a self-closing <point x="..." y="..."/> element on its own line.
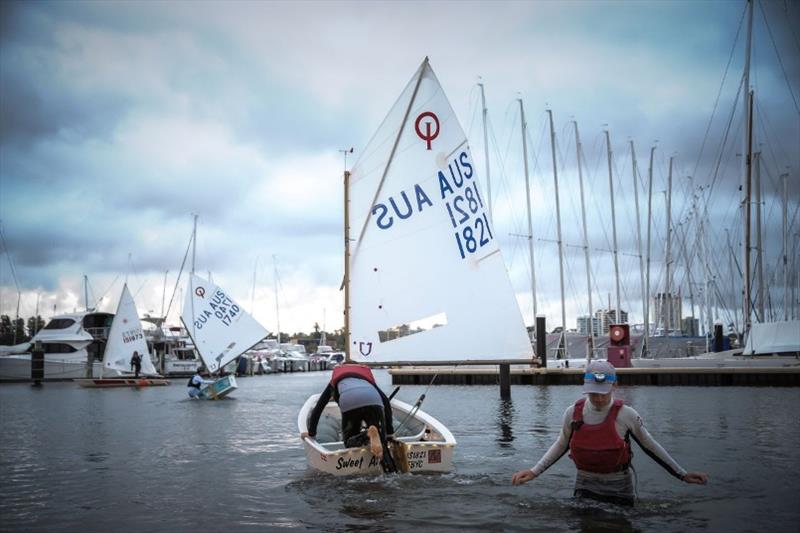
<point x="599" y="377"/>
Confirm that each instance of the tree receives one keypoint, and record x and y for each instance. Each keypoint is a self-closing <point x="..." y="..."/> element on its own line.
<point x="35" y="324"/>
<point x="19" y="331"/>
<point x="6" y="330"/>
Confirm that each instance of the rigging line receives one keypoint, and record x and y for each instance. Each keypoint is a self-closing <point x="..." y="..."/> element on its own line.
<point x="178" y="279"/>
<point x="108" y="289"/>
<point x="10" y="261"/>
<point x="725" y="139"/>
<point x="719" y="93"/>
<point x="780" y="61"/>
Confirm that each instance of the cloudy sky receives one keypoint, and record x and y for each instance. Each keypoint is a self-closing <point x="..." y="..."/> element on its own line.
<point x="119" y="120"/>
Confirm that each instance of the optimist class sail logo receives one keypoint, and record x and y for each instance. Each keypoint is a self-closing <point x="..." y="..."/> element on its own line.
<point x="429" y="135"/>
<point x="200" y="291"/>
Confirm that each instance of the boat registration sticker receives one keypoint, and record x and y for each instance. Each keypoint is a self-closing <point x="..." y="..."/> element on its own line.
<point x="434" y="456"/>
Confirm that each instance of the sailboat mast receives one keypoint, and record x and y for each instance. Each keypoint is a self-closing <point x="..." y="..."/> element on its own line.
<point x="578" y="148"/>
<point x="638" y="226"/>
<point x="562" y="345"/>
<point x="759" y="242"/>
<point x="277" y="298"/>
<point x="668" y="255"/>
<point x="618" y="315"/>
<point x="486" y="151"/>
<point x="646" y="346"/>
<point x="747" y="106"/>
<point x="785" y="236"/>
<point x="528" y="200"/>
<point x="85" y="292"/>
<point x="747" y="215"/>
<point x="347" y="265"/>
<point x="194" y="242"/>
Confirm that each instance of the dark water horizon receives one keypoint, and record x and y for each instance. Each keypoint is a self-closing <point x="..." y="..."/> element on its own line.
<point x="74" y="459"/>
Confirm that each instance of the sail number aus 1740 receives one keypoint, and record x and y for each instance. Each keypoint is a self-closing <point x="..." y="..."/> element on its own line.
<point x="469" y="219"/>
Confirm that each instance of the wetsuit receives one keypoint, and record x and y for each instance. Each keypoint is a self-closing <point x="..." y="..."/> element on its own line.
<point x="614" y="486"/>
<point x="360" y="401"/>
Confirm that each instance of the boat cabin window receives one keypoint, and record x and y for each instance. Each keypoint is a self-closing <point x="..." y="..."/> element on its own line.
<point x="57" y="347"/>
<point x="59" y="323"/>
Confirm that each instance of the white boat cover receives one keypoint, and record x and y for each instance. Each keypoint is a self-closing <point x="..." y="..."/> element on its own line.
<point x="767" y="338"/>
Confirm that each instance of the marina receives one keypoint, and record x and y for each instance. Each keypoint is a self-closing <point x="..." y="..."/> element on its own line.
<point x="534" y="326"/>
<point x="151" y="459"/>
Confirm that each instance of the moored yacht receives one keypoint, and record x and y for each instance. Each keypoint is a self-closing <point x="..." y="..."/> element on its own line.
<point x="73" y="346"/>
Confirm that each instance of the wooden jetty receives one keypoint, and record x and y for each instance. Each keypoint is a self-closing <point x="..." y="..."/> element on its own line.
<point x="715" y="377"/>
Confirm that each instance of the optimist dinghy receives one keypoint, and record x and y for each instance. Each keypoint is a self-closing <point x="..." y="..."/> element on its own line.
<point x="427" y="443"/>
<point x="423" y="273"/>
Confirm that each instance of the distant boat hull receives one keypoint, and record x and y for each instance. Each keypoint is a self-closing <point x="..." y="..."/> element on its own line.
<point x="429" y="445"/>
<point x="220" y="388"/>
<point x="18" y="368"/>
<point x="121" y="382"/>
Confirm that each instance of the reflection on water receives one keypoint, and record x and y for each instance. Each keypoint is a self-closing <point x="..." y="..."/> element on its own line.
<point x="505" y="420"/>
<point x="132" y="460"/>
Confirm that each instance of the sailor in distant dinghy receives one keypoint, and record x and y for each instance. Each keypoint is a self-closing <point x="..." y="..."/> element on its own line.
<point x="196" y="382"/>
<point x="597" y="433"/>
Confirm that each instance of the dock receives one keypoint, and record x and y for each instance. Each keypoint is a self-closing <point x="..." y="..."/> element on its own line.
<point x="788" y="376"/>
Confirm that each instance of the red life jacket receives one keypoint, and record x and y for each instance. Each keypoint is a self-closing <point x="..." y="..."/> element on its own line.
<point x="351" y="371"/>
<point x="598" y="447"/>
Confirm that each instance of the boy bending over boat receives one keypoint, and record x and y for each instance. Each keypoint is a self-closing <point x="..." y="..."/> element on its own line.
<point x="361" y="402"/>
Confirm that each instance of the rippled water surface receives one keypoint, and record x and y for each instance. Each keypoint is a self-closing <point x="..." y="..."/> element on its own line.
<point x="75" y="459"/>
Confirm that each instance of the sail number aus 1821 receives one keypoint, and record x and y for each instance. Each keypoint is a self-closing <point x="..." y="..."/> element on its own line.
<point x="467" y="216"/>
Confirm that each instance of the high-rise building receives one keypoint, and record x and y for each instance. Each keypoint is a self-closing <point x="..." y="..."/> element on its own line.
<point x="668" y="314"/>
<point x="606" y="317"/>
<point x="586" y="322"/>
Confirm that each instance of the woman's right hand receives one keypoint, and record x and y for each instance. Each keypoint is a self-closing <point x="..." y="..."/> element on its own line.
<point x="523" y="476"/>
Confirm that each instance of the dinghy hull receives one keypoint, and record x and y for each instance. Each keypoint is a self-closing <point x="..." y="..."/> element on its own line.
<point x="429" y="445"/>
<point x="220" y="388"/>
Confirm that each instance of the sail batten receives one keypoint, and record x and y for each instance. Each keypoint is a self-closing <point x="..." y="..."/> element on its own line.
<point x="426" y="246"/>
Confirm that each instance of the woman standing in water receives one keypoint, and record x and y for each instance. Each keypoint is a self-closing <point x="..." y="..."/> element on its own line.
<point x="597" y="433"/>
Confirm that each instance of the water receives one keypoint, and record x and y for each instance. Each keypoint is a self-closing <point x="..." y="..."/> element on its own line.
<point x="73" y="459"/>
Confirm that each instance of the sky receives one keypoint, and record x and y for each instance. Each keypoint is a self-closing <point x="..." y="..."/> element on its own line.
<point x="119" y="121"/>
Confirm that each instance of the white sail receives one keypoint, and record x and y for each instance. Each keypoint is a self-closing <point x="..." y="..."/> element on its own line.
<point x="424" y="257"/>
<point x="126" y="336"/>
<point x="220" y="328"/>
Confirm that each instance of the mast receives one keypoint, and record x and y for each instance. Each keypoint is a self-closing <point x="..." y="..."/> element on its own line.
<point x="277" y="299"/>
<point x="668" y="258"/>
<point x="638" y="228"/>
<point x="562" y="345"/>
<point x="590" y="344"/>
<point x="747" y="215"/>
<point x="194" y="242"/>
<point x="747" y="106"/>
<point x="528" y="200"/>
<point x="785" y="238"/>
<point x="646" y="346"/>
<point x="486" y="151"/>
<point x="86" y="292"/>
<point x="253" y="292"/>
<point x="759" y="243"/>
<point x="618" y="315"/>
<point x="346" y="265"/>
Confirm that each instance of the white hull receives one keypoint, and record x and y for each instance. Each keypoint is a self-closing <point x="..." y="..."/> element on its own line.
<point x="429" y="444"/>
<point x="18" y="367"/>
